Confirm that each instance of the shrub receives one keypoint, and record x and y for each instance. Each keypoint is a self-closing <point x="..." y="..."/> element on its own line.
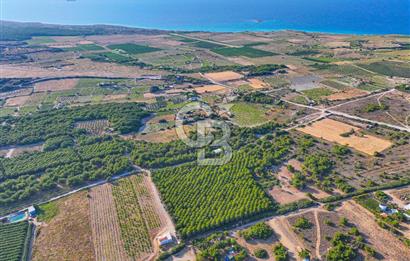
<point x="302" y="223"/>
<point x="281" y="253"/>
<point x="258" y="231"/>
<point x="261" y="253"/>
<point x="304" y="253"/>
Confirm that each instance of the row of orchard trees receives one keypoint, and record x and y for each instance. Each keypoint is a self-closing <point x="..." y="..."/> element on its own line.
<point x="204" y="197"/>
<point x="14" y="241"/>
<point x="28" y="175"/>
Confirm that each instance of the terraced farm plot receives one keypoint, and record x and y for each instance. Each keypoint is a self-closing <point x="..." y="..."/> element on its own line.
<point x="67" y="233"/>
<point x="334" y="131"/>
<point x="133" y="48"/>
<point x="95" y="127"/>
<point x="14" y="241"/>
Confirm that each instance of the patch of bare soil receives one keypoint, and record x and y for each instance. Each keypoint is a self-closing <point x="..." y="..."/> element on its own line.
<point x="159" y="136"/>
<point x="382" y="240"/>
<point x="17" y="101"/>
<point x="346" y="94"/>
<point x="286" y="236"/>
<point x="329" y="225"/>
<point x="187" y="254"/>
<point x="287" y="193"/>
<point x="68" y="235"/>
<point x="209" y="88"/>
<point x="309" y="236"/>
<point x="223" y="76"/>
<point x="252" y="245"/>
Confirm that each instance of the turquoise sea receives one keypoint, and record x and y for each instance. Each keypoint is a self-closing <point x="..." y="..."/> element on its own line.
<point x="336" y="16"/>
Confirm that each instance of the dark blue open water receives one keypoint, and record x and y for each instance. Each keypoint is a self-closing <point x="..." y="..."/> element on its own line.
<point x="337" y="16"/>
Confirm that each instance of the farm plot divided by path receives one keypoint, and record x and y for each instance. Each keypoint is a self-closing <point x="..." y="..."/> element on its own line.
<point x="124" y="220"/>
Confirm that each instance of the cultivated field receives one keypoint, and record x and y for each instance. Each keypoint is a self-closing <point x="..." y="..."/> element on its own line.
<point x="332" y="130"/>
<point x="56" y="85"/>
<point x="14" y="241"/>
<point x="67" y="236"/>
<point x="105" y="225"/>
<point x="209" y="88"/>
<point x="346" y="94"/>
<point x="95" y="127"/>
<point x="137" y="217"/>
<point x="223" y="76"/>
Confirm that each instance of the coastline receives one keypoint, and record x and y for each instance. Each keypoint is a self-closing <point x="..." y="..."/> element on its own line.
<point x="214" y="29"/>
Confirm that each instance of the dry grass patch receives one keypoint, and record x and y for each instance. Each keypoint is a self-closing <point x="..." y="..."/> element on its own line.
<point x="257" y="84"/>
<point x="113" y="97"/>
<point x="67" y="236"/>
<point x="332" y="130"/>
<point x="56" y="85"/>
<point x="346" y="94"/>
<point x="209" y="88"/>
<point x="223" y="76"/>
<point x="17" y="101"/>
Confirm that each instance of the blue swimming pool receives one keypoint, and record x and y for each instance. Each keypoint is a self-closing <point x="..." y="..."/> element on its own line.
<point x="18" y="217"/>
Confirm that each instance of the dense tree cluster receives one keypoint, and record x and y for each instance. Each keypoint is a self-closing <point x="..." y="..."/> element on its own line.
<point x="40" y="126"/>
<point x="204" y="197"/>
<point x="31" y="175"/>
<point x="259" y="97"/>
<point x="281" y="253"/>
<point x="159" y="155"/>
<point x="258" y="231"/>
